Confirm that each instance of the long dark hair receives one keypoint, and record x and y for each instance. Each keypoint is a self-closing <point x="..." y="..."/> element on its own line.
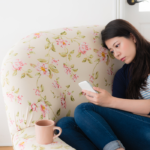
<point x="140" y="66"/>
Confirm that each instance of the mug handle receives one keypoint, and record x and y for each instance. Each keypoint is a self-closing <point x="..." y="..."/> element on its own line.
<point x="60" y="131"/>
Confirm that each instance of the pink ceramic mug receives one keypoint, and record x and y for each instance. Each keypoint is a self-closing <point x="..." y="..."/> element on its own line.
<point x="44" y="130"/>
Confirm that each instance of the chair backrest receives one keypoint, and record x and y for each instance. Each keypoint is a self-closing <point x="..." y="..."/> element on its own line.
<point x="40" y="73"/>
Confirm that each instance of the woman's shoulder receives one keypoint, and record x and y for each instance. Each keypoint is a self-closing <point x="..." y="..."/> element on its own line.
<point x="122" y="74"/>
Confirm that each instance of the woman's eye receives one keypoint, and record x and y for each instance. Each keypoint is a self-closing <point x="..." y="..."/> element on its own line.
<point x="117" y="45"/>
<point x="112" y="52"/>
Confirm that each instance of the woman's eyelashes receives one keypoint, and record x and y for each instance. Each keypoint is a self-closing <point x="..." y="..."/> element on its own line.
<point x="116" y="47"/>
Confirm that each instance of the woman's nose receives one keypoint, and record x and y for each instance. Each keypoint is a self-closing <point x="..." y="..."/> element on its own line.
<point x="116" y="54"/>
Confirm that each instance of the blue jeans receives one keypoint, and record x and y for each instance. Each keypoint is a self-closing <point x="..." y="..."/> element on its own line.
<point x="101" y="128"/>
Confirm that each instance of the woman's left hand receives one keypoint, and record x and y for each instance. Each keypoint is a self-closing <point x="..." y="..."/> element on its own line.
<point x="103" y="98"/>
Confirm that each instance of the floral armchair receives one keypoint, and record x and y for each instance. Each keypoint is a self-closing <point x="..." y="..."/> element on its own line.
<point x="40" y="76"/>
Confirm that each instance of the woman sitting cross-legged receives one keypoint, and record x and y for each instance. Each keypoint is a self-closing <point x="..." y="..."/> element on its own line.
<point x="120" y="121"/>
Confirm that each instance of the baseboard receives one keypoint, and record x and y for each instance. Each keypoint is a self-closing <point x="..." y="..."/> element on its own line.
<point x="6" y="144"/>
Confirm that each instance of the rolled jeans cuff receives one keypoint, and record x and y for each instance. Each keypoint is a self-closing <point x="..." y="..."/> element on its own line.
<point x="113" y="145"/>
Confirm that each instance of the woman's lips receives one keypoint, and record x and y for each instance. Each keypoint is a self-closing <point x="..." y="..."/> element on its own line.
<point x="123" y="59"/>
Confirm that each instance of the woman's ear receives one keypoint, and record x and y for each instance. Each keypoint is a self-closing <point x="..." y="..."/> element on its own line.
<point x="133" y="37"/>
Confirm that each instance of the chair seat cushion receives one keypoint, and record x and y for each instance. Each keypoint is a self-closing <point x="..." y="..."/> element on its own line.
<point x="26" y="140"/>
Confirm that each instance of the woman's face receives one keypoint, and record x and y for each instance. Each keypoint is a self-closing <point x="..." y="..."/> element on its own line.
<point x="122" y="47"/>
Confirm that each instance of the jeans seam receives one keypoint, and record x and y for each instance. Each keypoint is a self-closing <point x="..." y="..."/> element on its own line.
<point x="130" y="116"/>
<point x="96" y="121"/>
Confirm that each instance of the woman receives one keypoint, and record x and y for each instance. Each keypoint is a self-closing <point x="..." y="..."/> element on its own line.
<point x="122" y="120"/>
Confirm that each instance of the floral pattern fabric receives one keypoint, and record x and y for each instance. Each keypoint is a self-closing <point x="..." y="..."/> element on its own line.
<point x="41" y="72"/>
<point x="26" y="140"/>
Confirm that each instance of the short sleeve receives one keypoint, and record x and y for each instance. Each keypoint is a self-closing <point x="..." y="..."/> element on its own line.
<point x="119" y="84"/>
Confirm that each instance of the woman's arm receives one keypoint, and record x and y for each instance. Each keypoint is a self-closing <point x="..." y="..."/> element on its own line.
<point x="139" y="106"/>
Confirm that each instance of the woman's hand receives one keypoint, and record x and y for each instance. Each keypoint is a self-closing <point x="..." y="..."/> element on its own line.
<point x="103" y="98"/>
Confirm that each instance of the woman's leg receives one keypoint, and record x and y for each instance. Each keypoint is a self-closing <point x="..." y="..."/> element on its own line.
<point x="107" y="128"/>
<point x="73" y="135"/>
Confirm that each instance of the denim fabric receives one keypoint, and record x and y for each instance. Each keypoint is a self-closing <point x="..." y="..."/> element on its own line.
<point x="94" y="127"/>
<point x="113" y="145"/>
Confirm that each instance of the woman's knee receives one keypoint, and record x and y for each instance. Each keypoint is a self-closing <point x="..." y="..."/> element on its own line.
<point x="80" y="110"/>
<point x="81" y="107"/>
<point x="65" y="122"/>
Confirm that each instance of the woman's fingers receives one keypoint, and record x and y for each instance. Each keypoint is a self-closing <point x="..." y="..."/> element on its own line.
<point x="89" y="93"/>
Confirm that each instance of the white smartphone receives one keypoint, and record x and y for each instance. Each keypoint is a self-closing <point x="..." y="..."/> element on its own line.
<point x="85" y="85"/>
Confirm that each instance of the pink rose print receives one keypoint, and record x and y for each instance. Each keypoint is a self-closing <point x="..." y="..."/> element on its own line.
<point x="19" y="98"/>
<point x="67" y="29"/>
<point x="75" y="77"/>
<point x="91" y="78"/>
<point x="94" y="40"/>
<point x="68" y="70"/>
<point x="11" y="96"/>
<point x="62" y="43"/>
<point x="18" y="129"/>
<point x="37" y="92"/>
<point x="63" y="101"/>
<point x="16" y="137"/>
<point x="30" y="49"/>
<point x="94" y="33"/>
<point x="37" y="35"/>
<point x="28" y="55"/>
<point x="18" y="64"/>
<point x="43" y="68"/>
<point x="44" y="109"/>
<point x="26" y="37"/>
<point x="56" y="85"/>
<point x="110" y="72"/>
<point x="34" y="107"/>
<point x="55" y="61"/>
<point x="21" y="120"/>
<point x="54" y="143"/>
<point x="69" y="93"/>
<point x="11" y="121"/>
<point x="83" y="48"/>
<point x="102" y="53"/>
<point x="21" y="146"/>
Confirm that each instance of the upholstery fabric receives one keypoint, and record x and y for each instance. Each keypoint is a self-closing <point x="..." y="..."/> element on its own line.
<point x="25" y="139"/>
<point x="41" y="72"/>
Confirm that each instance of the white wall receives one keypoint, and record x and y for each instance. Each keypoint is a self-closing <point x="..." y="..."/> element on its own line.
<point x="18" y="18"/>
